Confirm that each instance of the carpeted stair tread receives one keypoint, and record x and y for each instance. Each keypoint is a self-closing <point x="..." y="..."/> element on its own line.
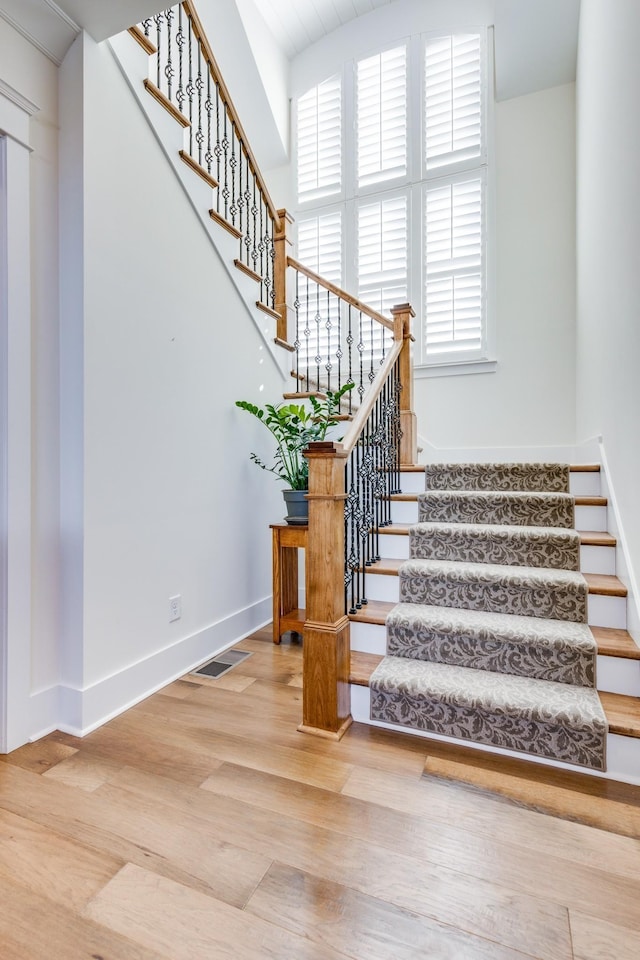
<point x="559" y="650"/>
<point x="492" y="507"/>
<point x="498" y="588"/>
<point x="533" y="546"/>
<point x="549" y="477"/>
<point x="554" y="720"/>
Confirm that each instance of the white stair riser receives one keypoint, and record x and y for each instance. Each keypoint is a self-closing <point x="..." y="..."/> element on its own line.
<point x="580" y="484"/>
<point x="617" y="675"/>
<point x="623" y="753"/>
<point x="601" y="611"/>
<point x="591" y="518"/>
<point x="412" y="482"/>
<point x="614" y="674"/>
<point x="592" y="559"/>
<point x="586" y="518"/>
<point x="585" y="484"/>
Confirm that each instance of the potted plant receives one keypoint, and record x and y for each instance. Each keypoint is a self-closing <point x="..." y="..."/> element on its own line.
<point x="294" y="426"/>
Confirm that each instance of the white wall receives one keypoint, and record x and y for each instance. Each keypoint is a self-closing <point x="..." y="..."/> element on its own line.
<point x="171" y="503"/>
<point x="530" y="399"/>
<point x="35" y="78"/>
<point x="608" y="278"/>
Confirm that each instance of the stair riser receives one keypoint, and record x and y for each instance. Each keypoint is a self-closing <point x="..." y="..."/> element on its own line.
<point x="617" y="675"/>
<point x="580" y="484"/>
<point x="623" y="753"/>
<point x="586" y="518"/>
<point x="592" y="559"/>
<point x="601" y="611"/>
<point x="613" y="674"/>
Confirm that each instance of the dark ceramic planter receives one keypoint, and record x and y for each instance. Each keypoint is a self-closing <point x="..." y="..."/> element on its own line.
<point x="297" y="506"/>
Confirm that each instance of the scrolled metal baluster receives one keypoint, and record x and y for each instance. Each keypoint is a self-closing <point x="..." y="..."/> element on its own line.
<point x="199" y="84"/>
<point x="233" y="163"/>
<point x="190" y="87"/>
<point x="180" y="41"/>
<point x="218" y="147"/>
<point x="360" y="348"/>
<point x="328" y="365"/>
<point x="254" y="229"/>
<point x="317" y="318"/>
<point x="146" y="26"/>
<point x="225" y="171"/>
<point x="350" y="354"/>
<point x="168" y="70"/>
<point x="208" y="106"/>
<point x="307" y="336"/>
<point x="296" y="342"/>
<point x="159" y="20"/>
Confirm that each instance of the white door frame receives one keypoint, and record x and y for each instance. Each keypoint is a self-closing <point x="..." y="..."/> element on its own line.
<point x="15" y="418"/>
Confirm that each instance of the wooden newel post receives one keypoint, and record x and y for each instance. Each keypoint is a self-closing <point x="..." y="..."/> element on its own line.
<point x="402" y="316"/>
<point x="326" y="697"/>
<point x="281" y="244"/>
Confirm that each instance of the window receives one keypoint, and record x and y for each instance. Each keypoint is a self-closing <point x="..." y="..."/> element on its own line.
<point x="411" y="223"/>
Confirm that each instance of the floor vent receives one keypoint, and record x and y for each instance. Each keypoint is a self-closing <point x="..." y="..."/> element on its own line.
<point x="221" y="664"/>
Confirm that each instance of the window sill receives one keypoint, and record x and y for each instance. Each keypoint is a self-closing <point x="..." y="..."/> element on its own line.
<point x="454" y="368"/>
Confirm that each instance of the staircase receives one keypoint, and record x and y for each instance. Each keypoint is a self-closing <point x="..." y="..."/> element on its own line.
<point x="492" y="620"/>
<point x="493" y="615"/>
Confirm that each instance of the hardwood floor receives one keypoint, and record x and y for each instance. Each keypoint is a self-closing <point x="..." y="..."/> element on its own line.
<point x="201" y="824"/>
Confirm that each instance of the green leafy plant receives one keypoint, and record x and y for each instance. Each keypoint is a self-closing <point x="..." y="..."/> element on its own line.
<point x="294" y="427"/>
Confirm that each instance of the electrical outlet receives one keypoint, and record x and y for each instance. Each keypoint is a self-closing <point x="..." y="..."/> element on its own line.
<point x="175" y="608"/>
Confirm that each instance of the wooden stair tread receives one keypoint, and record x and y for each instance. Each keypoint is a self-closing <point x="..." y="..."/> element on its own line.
<point x="248" y="272"/>
<point x="588" y="538"/>
<point x="605" y="585"/>
<point x="579" y="501"/>
<point x="584" y="468"/>
<point x="597" y="538"/>
<point x="599" y="584"/>
<point x="198" y="169"/>
<point x="362" y="666"/>
<point x="622" y="712"/>
<point x="612" y="642"/>
<point x="164" y="101"/>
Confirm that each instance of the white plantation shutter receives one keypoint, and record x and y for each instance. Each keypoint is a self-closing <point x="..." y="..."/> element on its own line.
<point x="320" y="249"/>
<point x="454" y="261"/>
<point x="382" y="258"/>
<point x="452" y="99"/>
<point x="381" y="116"/>
<point x="319" y="141"/>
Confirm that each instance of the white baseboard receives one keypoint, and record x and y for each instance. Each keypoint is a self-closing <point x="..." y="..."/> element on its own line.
<point x="624" y="566"/>
<point x="78" y="712"/>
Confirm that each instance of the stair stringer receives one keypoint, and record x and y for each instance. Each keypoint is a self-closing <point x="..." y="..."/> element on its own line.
<point x="624" y="566"/>
<point x="133" y="63"/>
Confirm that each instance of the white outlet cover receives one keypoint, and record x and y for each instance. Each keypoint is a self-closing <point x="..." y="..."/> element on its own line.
<point x="175" y="608"/>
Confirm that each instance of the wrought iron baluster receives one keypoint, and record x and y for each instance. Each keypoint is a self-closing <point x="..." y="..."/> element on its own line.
<point x="254" y="227"/>
<point x="190" y="87"/>
<point x="218" y="147"/>
<point x="146" y="26"/>
<point x="199" y="89"/>
<point x="225" y="171"/>
<point x="296" y="342"/>
<point x="180" y="41"/>
<point x="360" y="348"/>
<point x="168" y="70"/>
<point x="350" y="354"/>
<point x="307" y="337"/>
<point x="208" y="106"/>
<point x="318" y="356"/>
<point x="158" y="19"/>
<point x="233" y="209"/>
<point x="328" y="325"/>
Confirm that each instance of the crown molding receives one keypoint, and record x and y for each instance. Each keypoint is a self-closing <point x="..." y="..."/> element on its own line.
<point x="7" y="91"/>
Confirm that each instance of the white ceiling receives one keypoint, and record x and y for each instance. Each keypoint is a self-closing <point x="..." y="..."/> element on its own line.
<point x="535" y="40"/>
<point x="296" y="24"/>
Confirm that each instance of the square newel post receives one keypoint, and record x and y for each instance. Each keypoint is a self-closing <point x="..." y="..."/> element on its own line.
<point x="402" y="316"/>
<point x="326" y="697"/>
<point x="281" y="243"/>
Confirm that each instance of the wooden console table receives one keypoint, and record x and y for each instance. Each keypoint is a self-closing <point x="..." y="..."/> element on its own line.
<point x="287" y="539"/>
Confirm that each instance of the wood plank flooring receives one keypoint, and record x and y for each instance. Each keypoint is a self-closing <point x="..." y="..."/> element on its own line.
<point x="201" y="824"/>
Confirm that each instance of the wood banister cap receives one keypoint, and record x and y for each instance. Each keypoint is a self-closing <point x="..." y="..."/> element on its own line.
<point x="403" y="308"/>
<point x="324" y="448"/>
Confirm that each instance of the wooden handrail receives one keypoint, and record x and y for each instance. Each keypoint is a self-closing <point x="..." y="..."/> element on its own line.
<point x="342" y="294"/>
<point x="355" y="427"/>
<point x="201" y="36"/>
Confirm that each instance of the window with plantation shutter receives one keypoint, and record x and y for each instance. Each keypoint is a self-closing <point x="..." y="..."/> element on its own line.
<point x="319" y="141"/>
<point x="393" y="173"/>
<point x="452" y="99"/>
<point x="382" y="253"/>
<point x="320" y="249"/>
<point x="381" y="116"/>
<point x="454" y="261"/>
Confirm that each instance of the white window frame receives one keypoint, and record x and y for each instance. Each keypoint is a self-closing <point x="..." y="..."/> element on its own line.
<point x="414" y="183"/>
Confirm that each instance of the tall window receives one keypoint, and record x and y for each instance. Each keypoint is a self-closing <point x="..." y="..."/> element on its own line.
<point x="405" y="184"/>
